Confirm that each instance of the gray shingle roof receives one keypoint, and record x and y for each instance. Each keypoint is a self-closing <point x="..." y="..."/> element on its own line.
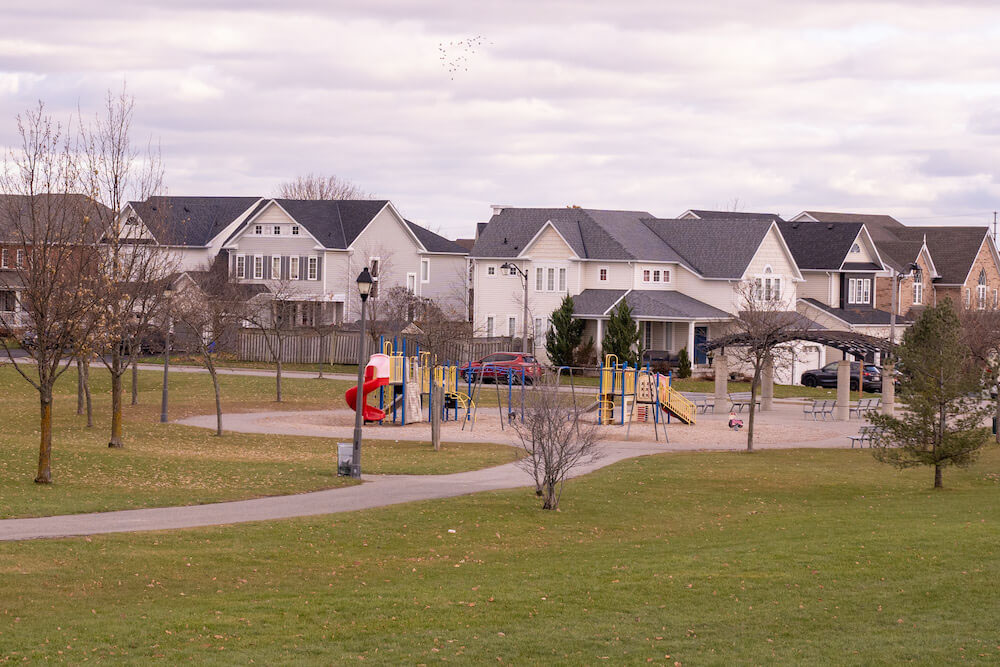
<point x="334" y="223"/>
<point x="861" y="317"/>
<point x="820" y="246"/>
<point x="953" y="249"/>
<point x="861" y="266"/>
<point x="880" y="227"/>
<point x="733" y="215"/>
<point x="15" y="215"/>
<point x="645" y="304"/>
<point x="192" y="221"/>
<point x="720" y="248"/>
<point x="434" y="242"/>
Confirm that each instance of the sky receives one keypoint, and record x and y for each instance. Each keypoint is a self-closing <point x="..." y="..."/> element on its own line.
<point x="448" y="107"/>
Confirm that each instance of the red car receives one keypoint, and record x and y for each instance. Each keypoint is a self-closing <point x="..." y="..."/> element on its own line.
<point x="497" y="366"/>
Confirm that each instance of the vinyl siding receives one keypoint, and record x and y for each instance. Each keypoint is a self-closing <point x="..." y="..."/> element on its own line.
<point x="639" y="268"/>
<point x="817" y="286"/>
<point x="548" y="245"/>
<point x="867" y="253"/>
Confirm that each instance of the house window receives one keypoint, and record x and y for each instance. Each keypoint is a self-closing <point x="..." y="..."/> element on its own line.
<point x="656" y="276"/>
<point x="918" y="289"/>
<point x="645" y="275"/>
<point x="19" y="258"/>
<point x="276" y="268"/>
<point x="859" y="290"/>
<point x="768" y="286"/>
<point x="538" y="329"/>
<point x="539" y="279"/>
<point x="258" y="267"/>
<point x="489" y="326"/>
<point x="491" y="270"/>
<point x="968" y="297"/>
<point x="8" y="301"/>
<point x="562" y="280"/>
<point x="551" y="285"/>
<point x="313" y="269"/>
<point x="511" y="326"/>
<point x="981" y="290"/>
<point x="277" y="230"/>
<point x="295" y="230"/>
<point x="374" y="264"/>
<point x="602" y="275"/>
<point x="647" y="335"/>
<point x="855" y="249"/>
<point x="411" y="283"/>
<point x="293" y="268"/>
<point x="425" y="270"/>
<point x="666" y="275"/>
<point x="258" y="229"/>
<point x="3" y="259"/>
<point x="241" y="266"/>
<point x="511" y="270"/>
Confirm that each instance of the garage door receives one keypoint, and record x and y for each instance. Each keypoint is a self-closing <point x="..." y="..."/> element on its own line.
<point x="808" y="359"/>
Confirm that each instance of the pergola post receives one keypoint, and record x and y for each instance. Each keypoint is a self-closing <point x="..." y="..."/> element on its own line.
<point x="721" y="366"/>
<point x="599" y="343"/>
<point x="767" y="384"/>
<point x="843" y="390"/>
<point x="888" y="388"/>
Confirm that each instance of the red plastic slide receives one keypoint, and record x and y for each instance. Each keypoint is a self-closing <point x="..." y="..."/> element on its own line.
<point x="369" y="412"/>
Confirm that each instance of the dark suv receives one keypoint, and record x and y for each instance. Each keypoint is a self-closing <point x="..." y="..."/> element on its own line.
<point x="827" y="376"/>
<point x="497" y="366"/>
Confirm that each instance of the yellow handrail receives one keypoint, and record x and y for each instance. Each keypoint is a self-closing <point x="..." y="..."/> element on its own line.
<point x="677" y="403"/>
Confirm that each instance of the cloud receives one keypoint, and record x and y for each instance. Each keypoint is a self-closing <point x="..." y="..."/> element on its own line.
<point x="659" y="106"/>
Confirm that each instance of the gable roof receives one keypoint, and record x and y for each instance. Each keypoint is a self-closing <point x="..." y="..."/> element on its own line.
<point x="718" y="248"/>
<point x="645" y="304"/>
<point x="953" y="249"/>
<point x="435" y="242"/>
<point x="15" y="215"/>
<point x="702" y="214"/>
<point x="866" y="317"/>
<point x="817" y="246"/>
<point x="880" y="227"/>
<point x="334" y="223"/>
<point x="192" y="221"/>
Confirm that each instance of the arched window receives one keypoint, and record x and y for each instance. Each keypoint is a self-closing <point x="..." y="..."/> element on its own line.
<point x="981" y="290"/>
<point x="768" y="286"/>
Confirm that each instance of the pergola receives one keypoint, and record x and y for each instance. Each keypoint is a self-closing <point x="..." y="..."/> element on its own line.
<point x="849" y="342"/>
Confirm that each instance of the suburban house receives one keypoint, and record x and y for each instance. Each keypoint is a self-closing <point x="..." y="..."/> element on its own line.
<point x="960" y="263"/>
<point x="307" y="253"/>
<point x="680" y="277"/>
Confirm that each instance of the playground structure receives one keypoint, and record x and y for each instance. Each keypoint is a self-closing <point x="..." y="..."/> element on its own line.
<point x="406" y="385"/>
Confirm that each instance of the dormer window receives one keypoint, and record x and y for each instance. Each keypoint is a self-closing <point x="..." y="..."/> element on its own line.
<point x="277" y="230"/>
<point x="258" y="230"/>
<point x="767" y="287"/>
<point x="855" y="249"/>
<point x="131" y="220"/>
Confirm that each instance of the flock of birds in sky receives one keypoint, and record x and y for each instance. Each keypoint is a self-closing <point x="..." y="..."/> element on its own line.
<point x="455" y="56"/>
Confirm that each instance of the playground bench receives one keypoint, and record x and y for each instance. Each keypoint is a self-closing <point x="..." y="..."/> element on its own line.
<point x="820" y="408"/>
<point x="702" y="402"/>
<point x="865" y="435"/>
<point x="741" y="399"/>
<point x="865" y="406"/>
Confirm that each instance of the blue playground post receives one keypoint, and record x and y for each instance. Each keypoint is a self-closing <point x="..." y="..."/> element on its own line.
<point x="622" y="411"/>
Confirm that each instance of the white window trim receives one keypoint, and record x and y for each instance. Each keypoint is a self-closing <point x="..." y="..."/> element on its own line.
<point x="275" y="261"/>
<point x="293" y="267"/>
<point x="606" y="274"/>
<point x="4" y="258"/>
<point x="559" y="275"/>
<point x="19" y="259"/>
<point x="512" y="325"/>
<point x="276" y="230"/>
<point x="312" y="268"/>
<point x="918" y="293"/>
<point x="411" y="276"/>
<point x="760" y="285"/>
<point x="491" y="329"/>
<point x="258" y="230"/>
<point x="255" y="258"/>
<point x="491" y="271"/>
<point x="295" y="230"/>
<point x="425" y="267"/>
<point x="241" y="266"/>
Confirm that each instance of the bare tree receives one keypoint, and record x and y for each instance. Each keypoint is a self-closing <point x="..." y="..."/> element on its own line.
<point x="317" y="186"/>
<point x="273" y="315"/>
<point x="555" y="443"/>
<point x="134" y="270"/>
<point x="47" y="238"/>
<point x="761" y="333"/>
<point x="208" y="306"/>
<point x="981" y="333"/>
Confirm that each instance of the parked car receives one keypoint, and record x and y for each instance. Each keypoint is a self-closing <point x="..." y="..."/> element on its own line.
<point x="827" y="376"/>
<point x="496" y="367"/>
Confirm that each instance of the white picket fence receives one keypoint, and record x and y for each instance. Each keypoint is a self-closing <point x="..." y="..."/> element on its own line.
<point x="342" y="347"/>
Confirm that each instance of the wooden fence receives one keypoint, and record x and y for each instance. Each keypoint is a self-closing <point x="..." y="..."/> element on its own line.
<point x="342" y="347"/>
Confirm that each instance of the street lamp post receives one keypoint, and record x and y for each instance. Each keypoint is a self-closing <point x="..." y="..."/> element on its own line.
<point x="889" y="365"/>
<point x="364" y="289"/>
<point x="168" y="325"/>
<point x="896" y="279"/>
<point x="507" y="266"/>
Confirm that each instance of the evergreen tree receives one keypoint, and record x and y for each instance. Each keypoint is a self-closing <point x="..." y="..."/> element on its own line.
<point x="564" y="335"/>
<point x="683" y="364"/>
<point x="622" y="335"/>
<point x="941" y="389"/>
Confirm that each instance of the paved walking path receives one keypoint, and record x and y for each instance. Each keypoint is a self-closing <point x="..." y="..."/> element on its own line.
<point x="377" y="491"/>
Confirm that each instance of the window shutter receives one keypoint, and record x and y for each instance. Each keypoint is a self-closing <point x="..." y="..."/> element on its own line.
<point x="319" y="267"/>
<point x="284" y="267"/>
<point x="267" y="267"/>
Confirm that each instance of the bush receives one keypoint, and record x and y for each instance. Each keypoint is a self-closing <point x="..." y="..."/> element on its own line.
<point x="683" y="364"/>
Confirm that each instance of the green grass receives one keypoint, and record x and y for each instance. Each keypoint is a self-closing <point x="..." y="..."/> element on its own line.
<point x="170" y="464"/>
<point x="230" y="361"/>
<point x="801" y="557"/>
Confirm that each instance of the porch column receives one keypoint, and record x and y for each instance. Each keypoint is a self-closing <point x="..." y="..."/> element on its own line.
<point x="721" y="366"/>
<point x="599" y="343"/>
<point x="767" y="384"/>
<point x="843" y="390"/>
<point x="888" y="389"/>
<point x="690" y="343"/>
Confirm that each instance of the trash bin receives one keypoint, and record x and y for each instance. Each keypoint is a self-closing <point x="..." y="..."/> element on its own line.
<point x="345" y="458"/>
<point x="994" y="426"/>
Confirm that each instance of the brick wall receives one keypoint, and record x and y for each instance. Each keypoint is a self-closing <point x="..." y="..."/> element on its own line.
<point x="883" y="295"/>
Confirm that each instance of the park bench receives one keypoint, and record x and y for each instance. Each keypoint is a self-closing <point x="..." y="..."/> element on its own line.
<point x="865" y="435"/>
<point x="702" y="402"/>
<point x="821" y="408"/>
<point x="741" y="399"/>
<point x="866" y="406"/>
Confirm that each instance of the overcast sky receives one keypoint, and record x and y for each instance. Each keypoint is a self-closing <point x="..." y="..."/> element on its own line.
<point x="652" y="105"/>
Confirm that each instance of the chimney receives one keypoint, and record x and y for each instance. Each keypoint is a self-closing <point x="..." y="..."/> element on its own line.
<point x="498" y="208"/>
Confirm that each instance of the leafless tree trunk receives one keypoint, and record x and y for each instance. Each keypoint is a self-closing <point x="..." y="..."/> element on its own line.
<point x="981" y="333"/>
<point x="135" y="379"/>
<point x="50" y="238"/>
<point x="274" y="319"/>
<point x="555" y="443"/>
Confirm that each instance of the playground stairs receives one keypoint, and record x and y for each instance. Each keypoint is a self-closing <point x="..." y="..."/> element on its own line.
<point x="674" y="404"/>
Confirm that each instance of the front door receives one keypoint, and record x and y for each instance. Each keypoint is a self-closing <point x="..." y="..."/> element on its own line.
<point x="700" y="337"/>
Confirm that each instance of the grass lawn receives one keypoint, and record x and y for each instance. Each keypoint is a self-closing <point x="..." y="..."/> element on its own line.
<point x="805" y="557"/>
<point x="170" y="464"/>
